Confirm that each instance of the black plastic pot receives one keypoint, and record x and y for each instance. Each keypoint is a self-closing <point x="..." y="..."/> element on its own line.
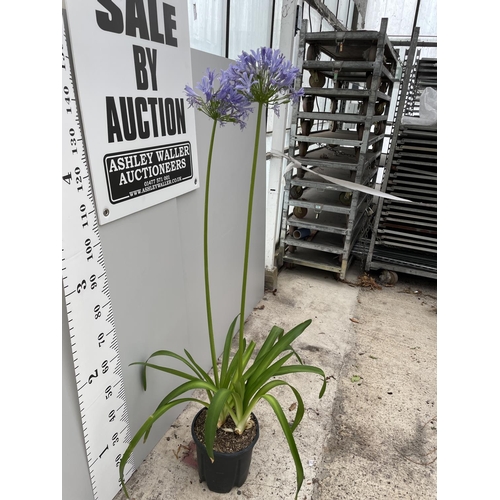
<point x="228" y="469"/>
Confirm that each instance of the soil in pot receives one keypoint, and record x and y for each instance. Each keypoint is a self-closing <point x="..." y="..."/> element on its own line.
<point x="226" y="442"/>
<point x="232" y="453"/>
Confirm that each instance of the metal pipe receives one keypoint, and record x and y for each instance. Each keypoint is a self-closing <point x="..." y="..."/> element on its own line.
<point x="302" y="232"/>
<point x="417" y="8"/>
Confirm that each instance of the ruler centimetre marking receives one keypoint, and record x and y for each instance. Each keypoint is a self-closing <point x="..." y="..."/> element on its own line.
<point x="94" y="345"/>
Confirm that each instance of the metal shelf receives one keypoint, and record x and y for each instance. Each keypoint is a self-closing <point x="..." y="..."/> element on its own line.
<point x="338" y="157"/>
<point x="350" y="71"/>
<point x="340" y="138"/>
<point x="358" y="45"/>
<point x="344" y="142"/>
<point x="346" y="94"/>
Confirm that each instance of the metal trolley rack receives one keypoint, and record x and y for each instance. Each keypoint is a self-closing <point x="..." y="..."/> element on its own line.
<point x="404" y="235"/>
<point x="338" y="133"/>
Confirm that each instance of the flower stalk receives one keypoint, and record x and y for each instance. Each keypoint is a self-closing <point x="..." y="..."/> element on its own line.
<point x="248" y="234"/>
<point x="211" y="338"/>
<point x="222" y="105"/>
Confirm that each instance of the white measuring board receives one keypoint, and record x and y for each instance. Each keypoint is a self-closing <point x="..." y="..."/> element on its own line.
<point x="94" y="344"/>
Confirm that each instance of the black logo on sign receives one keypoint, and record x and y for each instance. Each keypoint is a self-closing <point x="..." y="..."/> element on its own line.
<point x="142" y="171"/>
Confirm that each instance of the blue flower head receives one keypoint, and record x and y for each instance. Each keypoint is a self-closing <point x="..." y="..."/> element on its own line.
<point x="264" y="76"/>
<point x="223" y="105"/>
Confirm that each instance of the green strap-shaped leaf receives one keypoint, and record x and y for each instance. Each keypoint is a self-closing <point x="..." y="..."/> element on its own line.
<point x="277" y="349"/>
<point x="290" y="440"/>
<point x="145" y="430"/>
<point x="257" y="397"/>
<point x="299" y="359"/>
<point x="214" y="410"/>
<point x="247" y="353"/>
<point x="275" y="333"/>
<point x="238" y="403"/>
<point x="266" y="375"/>
<point x="201" y="372"/>
<point x="300" y="408"/>
<point x="230" y="374"/>
<point x="227" y="349"/>
<point x="305" y="369"/>
<point x="187" y="386"/>
<point x="178" y="373"/>
<point x="167" y="354"/>
<point x="181" y="389"/>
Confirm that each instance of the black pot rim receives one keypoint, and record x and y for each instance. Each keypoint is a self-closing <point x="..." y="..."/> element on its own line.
<point x="219" y="453"/>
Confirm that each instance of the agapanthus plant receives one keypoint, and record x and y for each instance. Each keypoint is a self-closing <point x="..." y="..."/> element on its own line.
<point x="266" y="78"/>
<point x="223" y="104"/>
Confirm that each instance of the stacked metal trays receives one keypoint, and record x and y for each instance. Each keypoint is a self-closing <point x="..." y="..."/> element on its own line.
<point x="413" y="175"/>
<point x="404" y="236"/>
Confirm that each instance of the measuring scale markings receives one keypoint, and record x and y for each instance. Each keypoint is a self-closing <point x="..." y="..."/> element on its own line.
<point x="94" y="344"/>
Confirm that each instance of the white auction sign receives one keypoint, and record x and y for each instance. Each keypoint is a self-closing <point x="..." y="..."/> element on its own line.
<point x="132" y="60"/>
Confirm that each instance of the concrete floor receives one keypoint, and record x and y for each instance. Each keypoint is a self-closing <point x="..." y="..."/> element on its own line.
<point x="373" y="435"/>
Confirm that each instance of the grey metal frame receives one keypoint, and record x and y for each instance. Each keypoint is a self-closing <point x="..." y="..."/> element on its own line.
<point x="356" y="56"/>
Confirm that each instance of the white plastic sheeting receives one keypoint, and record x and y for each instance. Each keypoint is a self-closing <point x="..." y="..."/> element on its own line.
<point x="427" y="110"/>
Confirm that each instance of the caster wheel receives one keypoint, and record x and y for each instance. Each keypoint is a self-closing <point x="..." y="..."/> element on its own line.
<point x="388" y="277"/>
<point x="317" y="79"/>
<point x="296" y="192"/>
<point x="345" y="198"/>
<point x="379" y="108"/>
<point x="299" y="212"/>
<point x="312" y="53"/>
<point x="306" y="126"/>
<point x="308" y="103"/>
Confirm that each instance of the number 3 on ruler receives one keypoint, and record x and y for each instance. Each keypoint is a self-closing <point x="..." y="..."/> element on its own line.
<point x="94" y="344"/>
